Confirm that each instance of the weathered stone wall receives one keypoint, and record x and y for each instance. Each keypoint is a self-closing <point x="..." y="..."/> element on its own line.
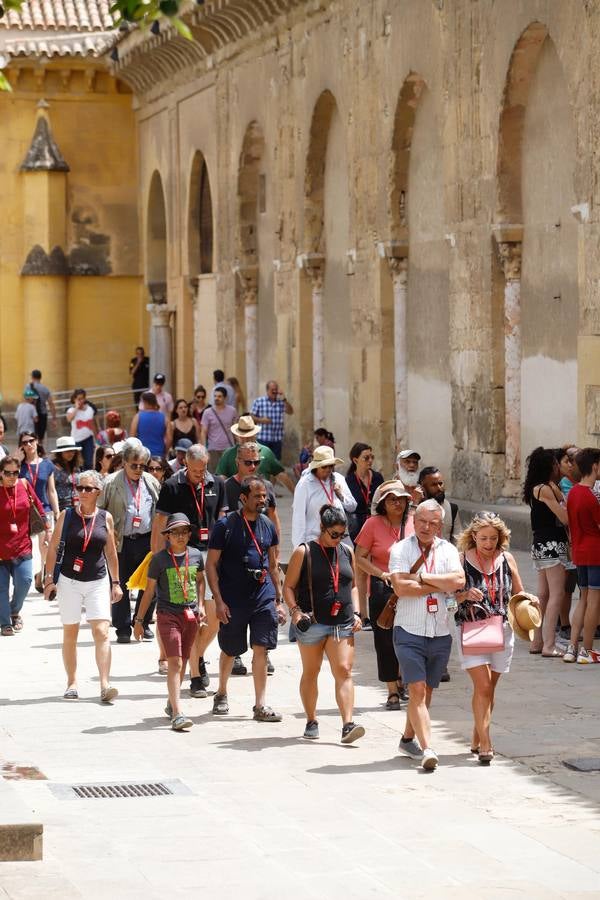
<point x="417" y="130"/>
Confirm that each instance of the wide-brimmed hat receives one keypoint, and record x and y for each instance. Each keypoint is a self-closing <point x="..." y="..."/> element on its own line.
<point x="393" y="486"/>
<point x="245" y="427"/>
<point x="176" y="520"/>
<point x="406" y="454"/>
<point x="183" y="444"/>
<point x="64" y="444"/>
<point x="524" y="615"/>
<point x="323" y="456"/>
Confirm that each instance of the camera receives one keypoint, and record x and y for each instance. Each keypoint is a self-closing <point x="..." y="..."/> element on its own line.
<point x="304" y="623"/>
<point x="256" y="574"/>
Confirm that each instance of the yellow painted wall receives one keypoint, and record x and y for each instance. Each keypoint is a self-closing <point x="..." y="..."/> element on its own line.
<point x="93" y="124"/>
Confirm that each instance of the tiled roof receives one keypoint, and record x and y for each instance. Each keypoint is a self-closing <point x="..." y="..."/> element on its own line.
<point x="59" y="15"/>
<point x="50" y="45"/>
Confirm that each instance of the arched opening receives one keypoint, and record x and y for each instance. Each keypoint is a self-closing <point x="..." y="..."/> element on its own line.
<point x="535" y="191"/>
<point x="156" y="239"/>
<point x="200" y="222"/>
<point x="326" y="228"/>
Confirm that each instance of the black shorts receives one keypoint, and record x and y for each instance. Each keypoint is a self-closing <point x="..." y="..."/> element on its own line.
<point x="262" y="621"/>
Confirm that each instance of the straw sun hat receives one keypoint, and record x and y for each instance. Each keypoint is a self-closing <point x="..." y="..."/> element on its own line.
<point x="524" y="615"/>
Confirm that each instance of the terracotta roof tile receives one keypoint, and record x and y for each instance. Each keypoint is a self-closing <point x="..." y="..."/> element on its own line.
<point x="60" y="15"/>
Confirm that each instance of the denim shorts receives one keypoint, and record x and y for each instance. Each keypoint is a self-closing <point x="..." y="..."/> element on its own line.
<point x="589" y="577"/>
<point x="317" y="633"/>
<point x="422" y="658"/>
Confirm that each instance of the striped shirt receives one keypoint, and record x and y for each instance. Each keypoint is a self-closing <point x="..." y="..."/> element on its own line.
<point x="411" y="612"/>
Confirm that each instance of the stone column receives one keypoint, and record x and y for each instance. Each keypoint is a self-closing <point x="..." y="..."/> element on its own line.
<point x="399" y="271"/>
<point x="248" y="280"/>
<point x="161" y="345"/>
<point x="314" y="266"/>
<point x="510" y="260"/>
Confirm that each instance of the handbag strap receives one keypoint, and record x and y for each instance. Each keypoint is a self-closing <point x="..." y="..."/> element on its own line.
<point x="225" y="432"/>
<point x="308" y="559"/>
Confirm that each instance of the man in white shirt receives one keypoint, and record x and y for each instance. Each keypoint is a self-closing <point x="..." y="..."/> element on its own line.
<point x="424" y="570"/>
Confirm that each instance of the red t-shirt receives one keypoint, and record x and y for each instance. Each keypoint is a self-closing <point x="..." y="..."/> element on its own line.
<point x="584" y="524"/>
<point x="14" y="509"/>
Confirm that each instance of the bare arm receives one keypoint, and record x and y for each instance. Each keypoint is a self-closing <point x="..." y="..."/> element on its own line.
<point x="449" y="582"/>
<point x="517" y="584"/>
<point x="547" y="496"/>
<point x="276" y="579"/>
<point x="288" y="407"/>
<point x="274" y="517"/>
<point x="290" y="583"/>
<point x="52" y="407"/>
<point x="110" y="551"/>
<point x="169" y="436"/>
<point x="53" y="496"/>
<point x="133" y="426"/>
<point x="361" y="555"/>
<point x="158" y="540"/>
<point x="70" y="414"/>
<point x="145" y="602"/>
<point x="51" y="555"/>
<point x="203" y="433"/>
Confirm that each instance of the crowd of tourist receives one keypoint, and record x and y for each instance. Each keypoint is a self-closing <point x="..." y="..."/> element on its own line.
<point x="174" y="522"/>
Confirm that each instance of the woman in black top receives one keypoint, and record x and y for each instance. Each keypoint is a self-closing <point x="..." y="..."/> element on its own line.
<point x="362" y="482"/>
<point x="550" y="546"/>
<point x="320" y="591"/>
<point x="88" y="565"/>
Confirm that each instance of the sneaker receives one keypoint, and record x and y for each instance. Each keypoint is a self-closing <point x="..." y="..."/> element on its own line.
<point x="411" y="748"/>
<point x="351" y="733"/>
<point x="430" y="760"/>
<point x="220" y="705"/>
<point x="311" y="732"/>
<point x="238" y="667"/>
<point x="181" y="722"/>
<point x="570" y="654"/>
<point x="203" y="673"/>
<point x="585" y="657"/>
<point x="148" y="633"/>
<point x="108" y="694"/>
<point x="366" y="624"/>
<point x="446" y="676"/>
<point x="197" y="689"/>
<point x="270" y="666"/>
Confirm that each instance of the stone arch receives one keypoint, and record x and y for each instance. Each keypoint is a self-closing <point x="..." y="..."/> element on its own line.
<point x="200" y="219"/>
<point x="251" y="188"/>
<point x="314" y="184"/>
<point x="156" y="239"/>
<point x="404" y="124"/>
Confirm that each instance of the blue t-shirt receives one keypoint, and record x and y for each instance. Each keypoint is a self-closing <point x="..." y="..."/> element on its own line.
<point x="231" y="537"/>
<point x="38" y="479"/>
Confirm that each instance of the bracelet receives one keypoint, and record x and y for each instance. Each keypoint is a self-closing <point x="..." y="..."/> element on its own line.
<point x="357" y="613"/>
<point x="294" y="609"/>
<point x="138" y="621"/>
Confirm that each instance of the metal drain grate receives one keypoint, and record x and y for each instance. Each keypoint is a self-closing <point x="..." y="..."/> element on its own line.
<point x="117" y="790"/>
<point x="110" y="791"/>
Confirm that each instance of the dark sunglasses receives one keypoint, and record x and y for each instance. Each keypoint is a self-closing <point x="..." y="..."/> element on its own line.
<point x="85" y="489"/>
<point x="251" y="462"/>
<point x="337" y="535"/>
<point x="11" y="473"/>
<point x="28" y="441"/>
<point x="137" y="466"/>
<point x="108" y="454"/>
<point x="155" y="468"/>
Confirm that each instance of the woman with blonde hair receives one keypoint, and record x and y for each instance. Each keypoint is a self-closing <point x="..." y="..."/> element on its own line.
<point x="240" y="398"/>
<point x="492" y="578"/>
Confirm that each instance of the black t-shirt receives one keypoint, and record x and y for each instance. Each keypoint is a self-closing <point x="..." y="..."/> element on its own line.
<point x="322" y="584"/>
<point x="233" y="489"/>
<point x="141" y="378"/>
<point x="232" y="538"/>
<point x="94" y="562"/>
<point x="177" y="495"/>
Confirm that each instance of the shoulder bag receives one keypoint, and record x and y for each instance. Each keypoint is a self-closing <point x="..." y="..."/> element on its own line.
<point x="484" y="635"/>
<point x="37" y="522"/>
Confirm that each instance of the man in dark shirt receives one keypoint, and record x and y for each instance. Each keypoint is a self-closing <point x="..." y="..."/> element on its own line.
<point x="201" y="496"/>
<point x="139" y="369"/>
<point x="243" y="575"/>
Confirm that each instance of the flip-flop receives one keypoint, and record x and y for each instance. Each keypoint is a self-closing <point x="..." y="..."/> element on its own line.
<point x="70" y="694"/>
<point x="556" y="654"/>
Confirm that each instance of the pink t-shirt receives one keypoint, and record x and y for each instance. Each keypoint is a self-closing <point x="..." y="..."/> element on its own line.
<point x="378" y="537"/>
<point x="217" y="424"/>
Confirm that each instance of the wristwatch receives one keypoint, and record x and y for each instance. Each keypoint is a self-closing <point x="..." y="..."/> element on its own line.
<point x="138" y="621"/>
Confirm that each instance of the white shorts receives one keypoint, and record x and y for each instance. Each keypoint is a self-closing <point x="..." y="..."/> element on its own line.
<point x="73" y="596"/>
<point x="498" y="662"/>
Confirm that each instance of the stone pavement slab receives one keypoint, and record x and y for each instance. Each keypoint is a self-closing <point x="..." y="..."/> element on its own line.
<point x="269" y="815"/>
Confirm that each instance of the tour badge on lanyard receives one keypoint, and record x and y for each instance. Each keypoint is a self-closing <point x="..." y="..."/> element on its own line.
<point x="189" y="614"/>
<point x="87" y="536"/>
<point x="78" y="564"/>
<point x="203" y="534"/>
<point x="136" y="521"/>
<point x="432" y="604"/>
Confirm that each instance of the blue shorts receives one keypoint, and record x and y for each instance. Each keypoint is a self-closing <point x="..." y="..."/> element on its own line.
<point x="262" y="622"/>
<point x="317" y="633"/>
<point x="589" y="577"/>
<point x="422" y="658"/>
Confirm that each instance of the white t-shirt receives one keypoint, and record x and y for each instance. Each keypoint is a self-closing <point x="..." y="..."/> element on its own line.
<point x="82" y="425"/>
<point x="411" y="612"/>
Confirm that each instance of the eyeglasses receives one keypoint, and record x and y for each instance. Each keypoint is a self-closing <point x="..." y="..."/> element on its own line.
<point x="108" y="454"/>
<point x="251" y="462"/>
<point x="154" y="468"/>
<point x="28" y="441"/>
<point x="85" y="489"/>
<point x="10" y="473"/>
<point x="137" y="466"/>
<point x="395" y="499"/>
<point x="337" y="535"/>
<point x="180" y="532"/>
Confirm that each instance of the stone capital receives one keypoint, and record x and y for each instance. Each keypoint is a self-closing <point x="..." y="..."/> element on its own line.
<point x="510" y="259"/>
<point x="161" y="314"/>
<point x="314" y="266"/>
<point x="398" y="268"/>
<point x="158" y="292"/>
<point x="248" y="280"/>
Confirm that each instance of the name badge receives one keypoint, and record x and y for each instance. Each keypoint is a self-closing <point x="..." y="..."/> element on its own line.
<point x="136" y="521"/>
<point x="203" y="534"/>
<point x="13" y="527"/>
<point x="432" y="605"/>
<point x="78" y="564"/>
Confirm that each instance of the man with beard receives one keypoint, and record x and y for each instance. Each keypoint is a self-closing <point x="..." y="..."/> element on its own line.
<point x="407" y="468"/>
<point x="432" y="485"/>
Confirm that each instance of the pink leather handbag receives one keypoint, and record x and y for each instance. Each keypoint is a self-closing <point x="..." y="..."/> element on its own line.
<point x="483" y="636"/>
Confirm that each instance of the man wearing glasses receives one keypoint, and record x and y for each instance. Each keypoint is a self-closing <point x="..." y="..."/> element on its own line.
<point x="248" y="462"/>
<point x="130" y="496"/>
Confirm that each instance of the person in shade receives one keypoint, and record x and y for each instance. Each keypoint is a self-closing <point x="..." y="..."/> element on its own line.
<point x="321" y="595"/>
<point x="176" y="574"/>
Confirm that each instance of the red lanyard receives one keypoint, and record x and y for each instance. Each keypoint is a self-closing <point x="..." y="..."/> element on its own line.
<point x="135" y="494"/>
<point x="335" y="573"/>
<point x="199" y="506"/>
<point x="366" y="493"/>
<point x="252" y="535"/>
<point x="87" y="536"/>
<point x="489" y="580"/>
<point x="33" y="477"/>
<point x="12" y="500"/>
<point x="330" y="496"/>
<point x="183" y="584"/>
<point x="430" y="556"/>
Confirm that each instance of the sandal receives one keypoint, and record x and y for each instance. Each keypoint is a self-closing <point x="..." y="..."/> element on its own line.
<point x="393" y="701"/>
<point x="265" y="714"/>
<point x="17" y="623"/>
<point x="71" y="694"/>
<point x="39" y="586"/>
<point x="108" y="694"/>
<point x="181" y="722"/>
<point x="7" y="630"/>
<point x="556" y="654"/>
<point x="220" y="705"/>
<point x="485" y="757"/>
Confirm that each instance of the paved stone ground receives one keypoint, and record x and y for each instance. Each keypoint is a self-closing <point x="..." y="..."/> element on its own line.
<point x="269" y="815"/>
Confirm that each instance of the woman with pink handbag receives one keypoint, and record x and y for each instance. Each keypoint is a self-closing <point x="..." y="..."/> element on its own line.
<point x="487" y="641"/>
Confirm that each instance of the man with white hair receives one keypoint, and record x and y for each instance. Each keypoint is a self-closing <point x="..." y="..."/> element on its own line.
<point x="425" y="571"/>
